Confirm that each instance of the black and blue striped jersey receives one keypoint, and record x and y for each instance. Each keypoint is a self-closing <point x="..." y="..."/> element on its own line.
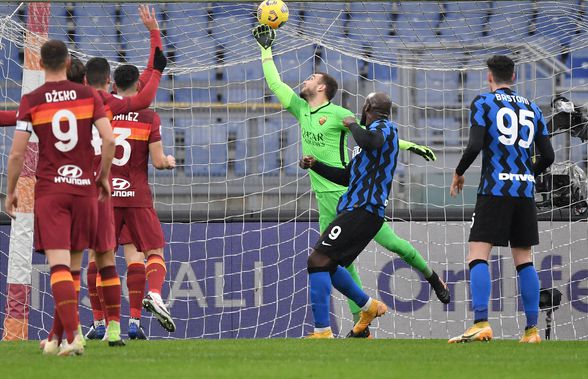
<point x="511" y="124"/>
<point x="371" y="172"/>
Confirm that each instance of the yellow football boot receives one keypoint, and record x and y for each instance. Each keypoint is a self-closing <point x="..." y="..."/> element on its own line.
<point x="531" y="336"/>
<point x="377" y="309"/>
<point x="327" y="334"/>
<point x="478" y="332"/>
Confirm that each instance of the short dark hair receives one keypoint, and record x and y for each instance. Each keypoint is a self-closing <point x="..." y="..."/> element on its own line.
<point x="331" y="84"/>
<point x="125" y="76"/>
<point x="502" y="68"/>
<point x="76" y="71"/>
<point x="54" y="54"/>
<point x="97" y="71"/>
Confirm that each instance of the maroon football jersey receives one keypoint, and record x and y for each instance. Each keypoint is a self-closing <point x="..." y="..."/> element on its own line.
<point x="134" y="131"/>
<point x="113" y="105"/>
<point x="62" y="114"/>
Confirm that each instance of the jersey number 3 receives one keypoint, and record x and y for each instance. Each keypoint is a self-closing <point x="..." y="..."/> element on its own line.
<point x="511" y="133"/>
<point x="120" y="140"/>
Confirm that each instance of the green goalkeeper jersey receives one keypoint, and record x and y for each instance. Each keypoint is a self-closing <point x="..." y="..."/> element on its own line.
<point x="322" y="131"/>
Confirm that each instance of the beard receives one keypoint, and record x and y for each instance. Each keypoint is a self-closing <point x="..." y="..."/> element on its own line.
<point x="305" y="94"/>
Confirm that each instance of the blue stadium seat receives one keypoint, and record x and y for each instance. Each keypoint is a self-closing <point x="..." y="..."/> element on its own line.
<point x="382" y="73"/>
<point x="59" y="22"/>
<point x="257" y="146"/>
<point x="194" y="51"/>
<point x="243" y="93"/>
<point x="243" y="158"/>
<point x="462" y="29"/>
<point x="342" y="67"/>
<point x="472" y="10"/>
<point x="96" y="33"/>
<point x="510" y="21"/>
<point x="10" y="94"/>
<point x="169" y="147"/>
<point x="578" y="59"/>
<point x="416" y="21"/>
<point x="10" y="62"/>
<point x="296" y="66"/>
<point x="390" y="87"/>
<point x="206" y="149"/>
<point x="435" y="129"/>
<point x="292" y="149"/>
<point x="475" y="84"/>
<point x="415" y="29"/>
<point x="191" y="91"/>
<point x="373" y="17"/>
<point x="270" y="131"/>
<point x="333" y="15"/>
<point x="436" y="87"/>
<point x="237" y="48"/>
<point x="554" y="24"/>
<point x="249" y="146"/>
<point x="7" y="9"/>
<point x="451" y="131"/>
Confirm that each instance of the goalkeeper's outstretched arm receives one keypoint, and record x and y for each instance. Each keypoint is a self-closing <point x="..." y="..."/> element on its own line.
<point x="423" y="151"/>
<point x="265" y="37"/>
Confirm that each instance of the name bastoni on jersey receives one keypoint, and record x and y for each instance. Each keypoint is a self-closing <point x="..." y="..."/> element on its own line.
<point x="517" y="177"/>
<point x="511" y="98"/>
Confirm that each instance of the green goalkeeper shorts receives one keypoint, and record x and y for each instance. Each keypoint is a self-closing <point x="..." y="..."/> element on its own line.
<point x="327" y="204"/>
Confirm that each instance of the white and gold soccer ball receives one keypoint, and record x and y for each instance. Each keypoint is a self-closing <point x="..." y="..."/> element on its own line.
<point x="273" y="13"/>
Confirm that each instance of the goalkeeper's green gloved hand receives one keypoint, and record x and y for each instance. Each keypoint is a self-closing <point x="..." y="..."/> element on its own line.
<point x="423" y="151"/>
<point x="264" y="35"/>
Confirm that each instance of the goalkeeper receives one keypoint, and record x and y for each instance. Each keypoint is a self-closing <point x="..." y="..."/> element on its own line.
<point x="325" y="138"/>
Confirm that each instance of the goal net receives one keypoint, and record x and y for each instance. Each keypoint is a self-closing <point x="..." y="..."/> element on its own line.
<point x="238" y="214"/>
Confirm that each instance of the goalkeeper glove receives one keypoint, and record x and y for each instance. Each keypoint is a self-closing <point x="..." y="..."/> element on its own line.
<point x="423" y="151"/>
<point x="159" y="60"/>
<point x="264" y="35"/>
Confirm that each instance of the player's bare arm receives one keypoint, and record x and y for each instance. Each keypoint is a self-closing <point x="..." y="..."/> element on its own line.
<point x="159" y="160"/>
<point x="148" y="17"/>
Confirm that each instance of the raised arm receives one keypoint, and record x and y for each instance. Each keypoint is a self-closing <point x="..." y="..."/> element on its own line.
<point x="287" y="97"/>
<point x="150" y="22"/>
<point x="144" y="98"/>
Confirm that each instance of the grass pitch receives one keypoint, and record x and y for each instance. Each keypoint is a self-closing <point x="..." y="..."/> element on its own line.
<point x="291" y="358"/>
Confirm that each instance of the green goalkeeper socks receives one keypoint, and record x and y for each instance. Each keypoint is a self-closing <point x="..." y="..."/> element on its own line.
<point x="388" y="239"/>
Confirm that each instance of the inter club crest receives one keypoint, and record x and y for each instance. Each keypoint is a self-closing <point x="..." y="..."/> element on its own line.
<point x="322" y="120"/>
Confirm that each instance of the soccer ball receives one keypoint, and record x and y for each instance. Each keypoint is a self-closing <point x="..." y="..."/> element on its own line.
<point x="273" y="13"/>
